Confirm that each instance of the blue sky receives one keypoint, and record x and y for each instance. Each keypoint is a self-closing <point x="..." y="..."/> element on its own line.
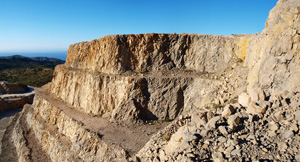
<point x="52" y="25"/>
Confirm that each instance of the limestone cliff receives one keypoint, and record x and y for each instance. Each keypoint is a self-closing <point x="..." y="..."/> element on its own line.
<point x="228" y="97"/>
<point x="273" y="56"/>
<point x="145" y="73"/>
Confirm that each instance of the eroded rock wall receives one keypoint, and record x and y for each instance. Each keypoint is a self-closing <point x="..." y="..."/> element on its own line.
<point x="65" y="139"/>
<point x="273" y="57"/>
<point x="140" y="53"/>
<point x="143" y="97"/>
<point x="143" y="75"/>
<point x="158" y="76"/>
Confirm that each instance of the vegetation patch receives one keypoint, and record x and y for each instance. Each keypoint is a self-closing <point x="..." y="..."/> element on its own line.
<point x="30" y="71"/>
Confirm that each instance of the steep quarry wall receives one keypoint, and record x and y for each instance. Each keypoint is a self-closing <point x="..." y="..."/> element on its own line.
<point x="143" y="75"/>
<point x="116" y="54"/>
<point x="273" y="57"/>
<point x="232" y="98"/>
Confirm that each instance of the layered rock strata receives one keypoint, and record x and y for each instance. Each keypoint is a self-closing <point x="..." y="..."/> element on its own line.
<point x="141" y="74"/>
<point x="231" y="98"/>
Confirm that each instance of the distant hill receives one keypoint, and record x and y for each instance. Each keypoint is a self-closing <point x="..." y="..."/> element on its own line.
<point x="33" y="71"/>
<point x="17" y="61"/>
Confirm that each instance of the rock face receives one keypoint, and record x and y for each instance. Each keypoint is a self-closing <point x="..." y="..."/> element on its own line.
<point x="147" y="73"/>
<point x="233" y="98"/>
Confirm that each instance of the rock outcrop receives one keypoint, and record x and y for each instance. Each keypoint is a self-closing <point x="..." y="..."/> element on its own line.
<point x="11" y="88"/>
<point x="230" y="98"/>
<point x="148" y="73"/>
<point x="14" y="96"/>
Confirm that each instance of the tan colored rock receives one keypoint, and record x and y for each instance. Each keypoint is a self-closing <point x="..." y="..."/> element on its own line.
<point x="110" y="94"/>
<point x="223" y="130"/>
<point x="256" y="94"/>
<point x="273" y="126"/>
<point x="218" y="156"/>
<point x="199" y="118"/>
<point x="211" y="124"/>
<point x="233" y="120"/>
<point x="159" y="76"/>
<point x="294" y="127"/>
<point x="297" y="115"/>
<point x="180" y="139"/>
<point x="278" y="41"/>
<point x="279" y="115"/>
<point x="244" y="99"/>
<point x="120" y="53"/>
<point x="228" y="110"/>
<point x="253" y="108"/>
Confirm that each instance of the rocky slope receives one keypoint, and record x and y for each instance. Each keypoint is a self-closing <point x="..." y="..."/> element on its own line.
<point x="229" y="98"/>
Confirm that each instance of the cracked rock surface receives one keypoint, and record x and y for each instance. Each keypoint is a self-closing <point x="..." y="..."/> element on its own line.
<point x="170" y="97"/>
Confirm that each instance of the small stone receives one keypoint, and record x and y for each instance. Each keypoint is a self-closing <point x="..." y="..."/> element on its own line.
<point x="290" y="117"/>
<point x="265" y="150"/>
<point x="282" y="146"/>
<point x="244" y="99"/>
<point x="209" y="115"/>
<point x="211" y="124"/>
<point x="297" y="157"/>
<point x="217" y="155"/>
<point x="236" y="152"/>
<point x="180" y="117"/>
<point x="285" y="122"/>
<point x="222" y="139"/>
<point x="264" y="122"/>
<point x="234" y="120"/>
<point x="232" y="142"/>
<point x="219" y="160"/>
<point x="297" y="115"/>
<point x="254" y="108"/>
<point x="206" y="142"/>
<point x="278" y="157"/>
<point x="263" y="104"/>
<point x="294" y="127"/>
<point x="256" y="94"/>
<point x="272" y="134"/>
<point x="288" y="134"/>
<point x="162" y="155"/>
<point x="205" y="146"/>
<point x="254" y="141"/>
<point x="190" y="155"/>
<point x="179" y="157"/>
<point x="228" y="110"/>
<point x="251" y="118"/>
<point x="204" y="132"/>
<point x="273" y="126"/>
<point x="223" y="130"/>
<point x="278" y="116"/>
<point x="228" y="150"/>
<point x="243" y="136"/>
<point x="251" y="137"/>
<point x="221" y="149"/>
<point x="156" y="159"/>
